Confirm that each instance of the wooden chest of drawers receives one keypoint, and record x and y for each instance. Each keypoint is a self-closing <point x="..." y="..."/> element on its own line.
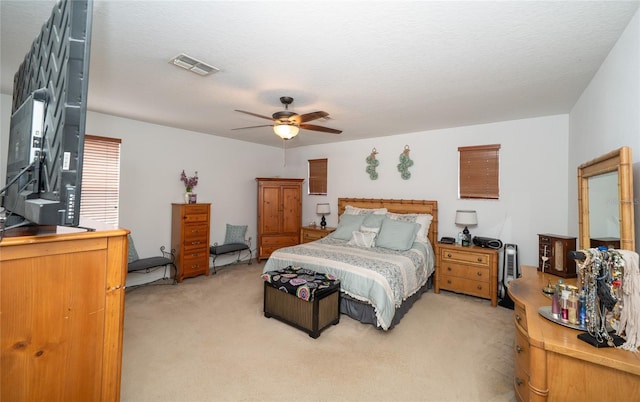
<point x="190" y="239"/>
<point x="313" y="233"/>
<point x="469" y="270"/>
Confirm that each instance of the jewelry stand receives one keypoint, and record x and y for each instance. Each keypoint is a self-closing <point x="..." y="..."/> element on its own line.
<point x="599" y="265"/>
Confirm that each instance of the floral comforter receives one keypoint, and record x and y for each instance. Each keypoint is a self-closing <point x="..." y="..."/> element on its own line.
<point x="381" y="277"/>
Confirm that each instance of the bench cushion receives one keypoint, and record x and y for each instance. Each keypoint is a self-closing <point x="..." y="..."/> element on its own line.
<point x="301" y="282"/>
<point x="146" y="263"/>
<point x="227" y="248"/>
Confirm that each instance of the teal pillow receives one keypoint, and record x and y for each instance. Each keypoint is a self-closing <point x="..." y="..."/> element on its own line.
<point x="132" y="254"/>
<point x="347" y="225"/>
<point x="235" y="234"/>
<point x="373" y="220"/>
<point x="397" y="235"/>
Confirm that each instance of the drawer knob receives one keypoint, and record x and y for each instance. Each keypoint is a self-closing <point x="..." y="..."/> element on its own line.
<point x="449" y="281"/>
<point x="518" y="349"/>
<point x="479" y="273"/>
<point x="479" y="287"/>
<point x="448" y="268"/>
<point x="479" y="259"/>
<point x="195" y="242"/>
<point x="449" y="255"/>
<point x="518" y="381"/>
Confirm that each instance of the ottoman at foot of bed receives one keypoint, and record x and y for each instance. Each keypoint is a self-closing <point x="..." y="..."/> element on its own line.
<point x="310" y="316"/>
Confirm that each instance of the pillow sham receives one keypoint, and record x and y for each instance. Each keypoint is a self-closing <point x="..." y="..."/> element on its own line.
<point x="346" y="226"/>
<point x="351" y="210"/>
<point x="424" y="220"/>
<point x="362" y="239"/>
<point x="396" y="234"/>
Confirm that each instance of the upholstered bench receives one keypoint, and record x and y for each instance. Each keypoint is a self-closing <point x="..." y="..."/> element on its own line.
<point x="302" y="298"/>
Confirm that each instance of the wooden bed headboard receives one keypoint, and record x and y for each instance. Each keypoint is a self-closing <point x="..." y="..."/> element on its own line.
<point x="399" y="207"/>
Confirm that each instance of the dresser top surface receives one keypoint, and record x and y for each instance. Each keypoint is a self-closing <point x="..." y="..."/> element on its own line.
<point x="550" y="336"/>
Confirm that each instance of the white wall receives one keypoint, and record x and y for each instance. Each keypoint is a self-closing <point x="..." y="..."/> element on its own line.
<point x="533" y="169"/>
<point x="607" y="116"/>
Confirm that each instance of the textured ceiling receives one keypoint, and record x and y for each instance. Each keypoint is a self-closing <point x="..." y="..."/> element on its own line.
<point x="378" y="68"/>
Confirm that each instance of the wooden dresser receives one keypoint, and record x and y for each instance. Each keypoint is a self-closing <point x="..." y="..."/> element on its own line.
<point x="279" y="214"/>
<point x="312" y="233"/>
<point x="62" y="304"/>
<point x="469" y="270"/>
<point x="190" y="239"/>
<point x="551" y="363"/>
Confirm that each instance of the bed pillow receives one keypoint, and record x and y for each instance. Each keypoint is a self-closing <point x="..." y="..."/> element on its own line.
<point x="235" y="234"/>
<point x="350" y="210"/>
<point x="362" y="239"/>
<point x="347" y="225"/>
<point x="372" y="223"/>
<point x="396" y="234"/>
<point x="132" y="253"/>
<point x="424" y="220"/>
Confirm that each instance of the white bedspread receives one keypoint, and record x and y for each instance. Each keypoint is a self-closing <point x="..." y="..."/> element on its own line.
<point x="384" y="278"/>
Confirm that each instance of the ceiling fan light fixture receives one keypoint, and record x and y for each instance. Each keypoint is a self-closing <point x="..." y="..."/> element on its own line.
<point x="286" y="131"/>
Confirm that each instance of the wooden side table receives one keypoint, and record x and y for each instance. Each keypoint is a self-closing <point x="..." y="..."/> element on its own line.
<point x="312" y="233"/>
<point x="469" y="270"/>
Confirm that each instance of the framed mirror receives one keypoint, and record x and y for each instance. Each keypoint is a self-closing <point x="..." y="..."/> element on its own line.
<point x="605" y="201"/>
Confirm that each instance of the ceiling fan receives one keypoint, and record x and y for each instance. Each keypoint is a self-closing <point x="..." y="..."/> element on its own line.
<point x="287" y="124"/>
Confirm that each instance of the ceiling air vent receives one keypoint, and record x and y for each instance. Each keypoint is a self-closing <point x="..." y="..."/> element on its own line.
<point x="193" y="65"/>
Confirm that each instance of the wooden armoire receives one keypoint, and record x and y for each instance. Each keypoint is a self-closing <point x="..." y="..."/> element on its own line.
<point x="279" y="214"/>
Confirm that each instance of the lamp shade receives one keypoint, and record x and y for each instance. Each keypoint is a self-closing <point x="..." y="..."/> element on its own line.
<point x="286" y="131"/>
<point x="466" y="218"/>
<point x="323" y="209"/>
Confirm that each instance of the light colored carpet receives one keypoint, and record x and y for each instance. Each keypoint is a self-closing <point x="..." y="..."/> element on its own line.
<point x="207" y="339"/>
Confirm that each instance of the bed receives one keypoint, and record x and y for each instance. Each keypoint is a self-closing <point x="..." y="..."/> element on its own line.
<point x="380" y="280"/>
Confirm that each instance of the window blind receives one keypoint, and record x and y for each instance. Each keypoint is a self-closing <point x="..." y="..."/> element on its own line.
<point x="100" y="193"/>
<point x="318" y="176"/>
<point x="479" y="171"/>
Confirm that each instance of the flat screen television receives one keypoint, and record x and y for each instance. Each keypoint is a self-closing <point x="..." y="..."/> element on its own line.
<point x="48" y="115"/>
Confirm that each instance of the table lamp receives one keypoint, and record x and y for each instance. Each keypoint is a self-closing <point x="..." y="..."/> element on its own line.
<point x="323" y="209"/>
<point x="466" y="218"/>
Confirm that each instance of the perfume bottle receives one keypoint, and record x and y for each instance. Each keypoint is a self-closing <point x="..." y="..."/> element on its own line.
<point x="555" y="303"/>
<point x="555" y="300"/>
<point x="582" y="308"/>
<point x="564" y="304"/>
<point x="572" y="307"/>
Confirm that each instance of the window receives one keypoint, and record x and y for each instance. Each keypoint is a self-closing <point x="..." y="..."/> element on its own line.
<point x="100" y="191"/>
<point x="318" y="176"/>
<point x="479" y="171"/>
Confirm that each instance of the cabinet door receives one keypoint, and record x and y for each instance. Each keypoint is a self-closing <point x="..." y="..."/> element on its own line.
<point x="271" y="210"/>
<point x="291" y="206"/>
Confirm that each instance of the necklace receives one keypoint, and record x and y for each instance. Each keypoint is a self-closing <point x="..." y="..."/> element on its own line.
<point x="600" y="268"/>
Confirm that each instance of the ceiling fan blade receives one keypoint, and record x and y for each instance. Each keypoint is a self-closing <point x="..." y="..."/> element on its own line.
<point x="303" y="118"/>
<point x="320" y="128"/>
<point x="242" y="128"/>
<point x="255" y="114"/>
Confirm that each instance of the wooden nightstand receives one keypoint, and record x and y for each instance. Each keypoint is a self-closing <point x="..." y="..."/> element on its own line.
<point x="469" y="270"/>
<point x="312" y="233"/>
